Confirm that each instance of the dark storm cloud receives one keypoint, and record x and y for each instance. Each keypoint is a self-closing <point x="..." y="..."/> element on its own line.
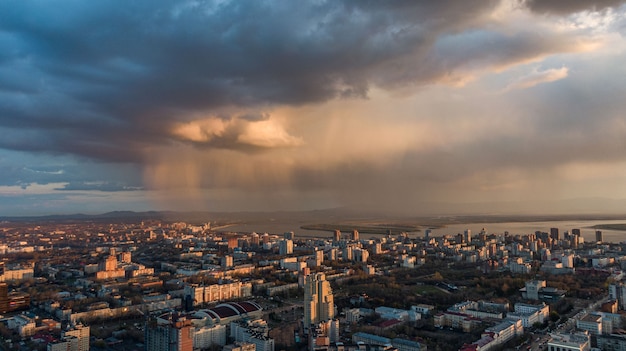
<point x="565" y="7"/>
<point x="107" y="81"/>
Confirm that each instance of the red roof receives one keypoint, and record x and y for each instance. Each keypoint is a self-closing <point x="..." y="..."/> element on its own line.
<point x="224" y="311"/>
<point x="389" y="323"/>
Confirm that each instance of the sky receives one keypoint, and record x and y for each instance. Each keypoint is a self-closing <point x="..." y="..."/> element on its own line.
<point x="502" y="106"/>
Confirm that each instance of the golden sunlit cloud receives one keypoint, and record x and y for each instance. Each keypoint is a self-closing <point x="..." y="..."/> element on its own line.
<point x="236" y="132"/>
<point x="268" y="133"/>
<point x="200" y="131"/>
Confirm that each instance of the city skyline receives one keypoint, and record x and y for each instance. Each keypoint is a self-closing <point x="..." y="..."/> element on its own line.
<point x="268" y="105"/>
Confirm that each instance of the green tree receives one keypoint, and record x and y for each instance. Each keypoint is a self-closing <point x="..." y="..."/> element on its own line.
<point x="554" y="316"/>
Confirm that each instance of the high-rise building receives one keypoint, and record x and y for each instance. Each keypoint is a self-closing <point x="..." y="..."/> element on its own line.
<point x="347" y="253"/>
<point x="360" y="255"/>
<point x="4" y="298"/>
<point x="232" y="243"/>
<point x="554" y="233"/>
<point x="265" y="238"/>
<point x="170" y="333"/>
<point x="355" y="235"/>
<point x="617" y="291"/>
<point x="318" y="257"/>
<point x="81" y="334"/>
<point x="285" y="247"/>
<point x="75" y="339"/>
<point x="226" y="261"/>
<point x="110" y="264"/>
<point x="289" y="235"/>
<point x="427" y="233"/>
<point x="467" y="235"/>
<point x="255" y="239"/>
<point x="254" y="332"/>
<point x="318" y="301"/>
<point x="337" y="236"/>
<point x="599" y="236"/>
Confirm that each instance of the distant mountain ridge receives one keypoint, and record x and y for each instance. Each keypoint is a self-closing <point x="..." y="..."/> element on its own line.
<point x="332" y="215"/>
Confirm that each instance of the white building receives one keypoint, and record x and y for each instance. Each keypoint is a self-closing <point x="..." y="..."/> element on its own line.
<point x="206" y="336"/>
<point x="23" y="324"/>
<point x="617" y="291"/>
<point x="395" y="313"/>
<point x="423" y="309"/>
<point x="569" y="342"/>
<point x="591" y="323"/>
<point x="254" y="332"/>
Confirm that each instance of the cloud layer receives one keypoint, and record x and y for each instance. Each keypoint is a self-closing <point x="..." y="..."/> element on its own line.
<point x="360" y="101"/>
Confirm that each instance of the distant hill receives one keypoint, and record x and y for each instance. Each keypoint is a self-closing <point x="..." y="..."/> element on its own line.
<point x="343" y="215"/>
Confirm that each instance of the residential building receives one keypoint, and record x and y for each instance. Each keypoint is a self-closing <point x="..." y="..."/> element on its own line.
<point x="617" y="291"/>
<point x="254" y="332"/>
<point x="81" y="334"/>
<point x="169" y="332"/>
<point x="318" y="300"/>
<point x="285" y="247"/>
<point x="613" y="342"/>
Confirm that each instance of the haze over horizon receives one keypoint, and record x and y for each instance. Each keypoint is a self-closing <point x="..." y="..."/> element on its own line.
<point x="511" y="106"/>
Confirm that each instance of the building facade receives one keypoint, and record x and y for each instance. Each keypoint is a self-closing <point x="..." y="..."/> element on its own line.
<point x="318" y="300"/>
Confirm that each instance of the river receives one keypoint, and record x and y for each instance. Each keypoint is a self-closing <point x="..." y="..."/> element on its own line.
<point x="585" y="226"/>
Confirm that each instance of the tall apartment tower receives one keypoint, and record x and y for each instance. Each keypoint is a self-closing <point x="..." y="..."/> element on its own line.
<point x="427" y="233"/>
<point x="285" y="247"/>
<point x="81" y="334"/>
<point x="554" y="233"/>
<point x="599" y="237"/>
<point x="109" y="264"/>
<point x="4" y="297"/>
<point x="617" y="291"/>
<point x="173" y="333"/>
<point x="337" y="236"/>
<point x="355" y="235"/>
<point x="318" y="301"/>
<point x="467" y="236"/>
